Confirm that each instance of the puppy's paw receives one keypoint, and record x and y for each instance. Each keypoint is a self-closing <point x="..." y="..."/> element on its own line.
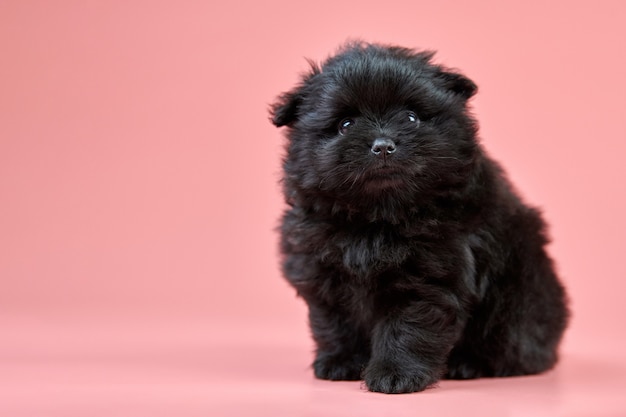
<point x="338" y="367"/>
<point x="463" y="370"/>
<point x="390" y="378"/>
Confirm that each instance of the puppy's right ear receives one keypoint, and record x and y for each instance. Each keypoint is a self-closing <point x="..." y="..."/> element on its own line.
<point x="286" y="110"/>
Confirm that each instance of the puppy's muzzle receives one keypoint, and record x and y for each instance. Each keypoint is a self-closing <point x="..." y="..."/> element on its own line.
<point x="383" y="148"/>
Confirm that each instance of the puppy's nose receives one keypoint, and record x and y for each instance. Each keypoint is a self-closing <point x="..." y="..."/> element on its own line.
<point x="383" y="147"/>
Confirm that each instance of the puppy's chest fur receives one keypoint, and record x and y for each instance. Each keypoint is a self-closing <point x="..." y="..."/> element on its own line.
<point x="365" y="251"/>
<point x="359" y="250"/>
<point x="352" y="266"/>
<point x="361" y="268"/>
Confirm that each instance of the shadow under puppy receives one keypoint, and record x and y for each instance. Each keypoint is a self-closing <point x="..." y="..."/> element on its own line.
<point x="414" y="254"/>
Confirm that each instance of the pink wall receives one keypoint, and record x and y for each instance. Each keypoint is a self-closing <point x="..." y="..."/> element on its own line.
<point x="138" y="170"/>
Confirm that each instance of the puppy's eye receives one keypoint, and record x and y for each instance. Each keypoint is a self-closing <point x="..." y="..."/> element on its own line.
<point x="412" y="117"/>
<point x="344" y="125"/>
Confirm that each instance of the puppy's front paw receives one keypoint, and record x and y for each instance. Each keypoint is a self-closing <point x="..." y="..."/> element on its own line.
<point x="338" y="367"/>
<point x="390" y="378"/>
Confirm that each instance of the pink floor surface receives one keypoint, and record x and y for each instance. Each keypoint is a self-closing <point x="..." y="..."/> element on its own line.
<point x="186" y="368"/>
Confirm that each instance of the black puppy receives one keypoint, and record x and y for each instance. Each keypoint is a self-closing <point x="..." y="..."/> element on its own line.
<point x="415" y="256"/>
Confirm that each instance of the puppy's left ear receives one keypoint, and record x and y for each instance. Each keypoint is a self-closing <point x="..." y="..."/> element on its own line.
<point x="457" y="83"/>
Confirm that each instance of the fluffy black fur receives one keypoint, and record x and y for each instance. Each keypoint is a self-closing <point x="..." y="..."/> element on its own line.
<point x="415" y="256"/>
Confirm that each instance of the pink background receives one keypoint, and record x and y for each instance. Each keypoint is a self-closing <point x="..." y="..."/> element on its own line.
<point x="139" y="197"/>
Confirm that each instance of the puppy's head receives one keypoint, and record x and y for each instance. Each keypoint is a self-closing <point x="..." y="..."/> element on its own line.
<point x="377" y="121"/>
